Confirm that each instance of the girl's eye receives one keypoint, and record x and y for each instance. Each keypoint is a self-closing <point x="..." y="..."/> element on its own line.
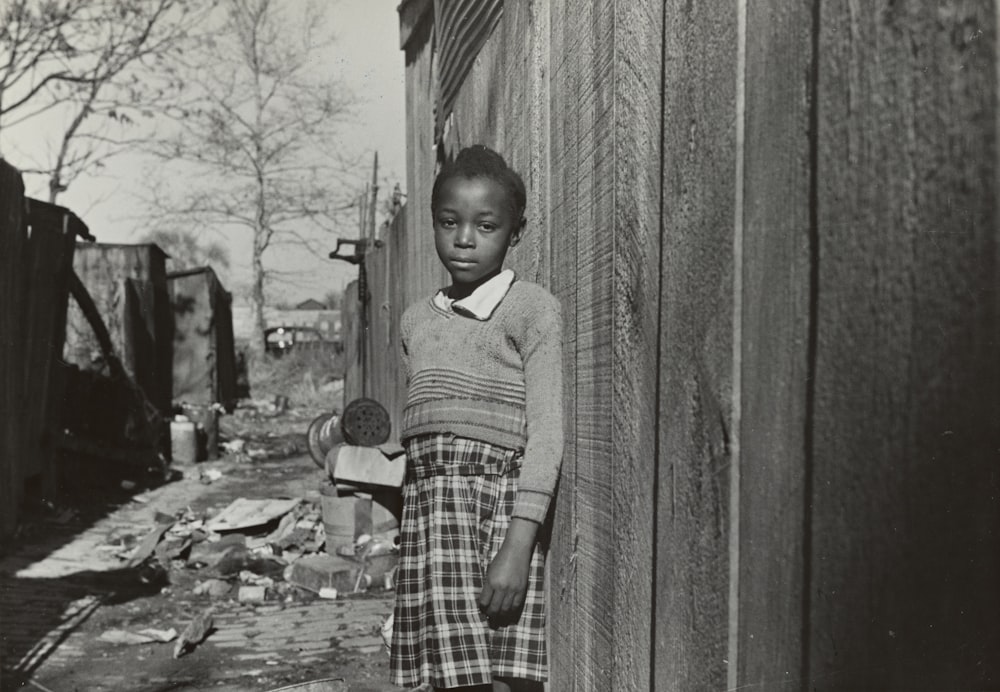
<point x="447" y="223"/>
<point x="487" y="227"/>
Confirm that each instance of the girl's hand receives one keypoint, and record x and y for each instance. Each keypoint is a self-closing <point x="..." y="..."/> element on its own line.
<point x="506" y="581"/>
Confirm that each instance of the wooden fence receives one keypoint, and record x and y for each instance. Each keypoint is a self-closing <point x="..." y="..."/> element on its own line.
<point x="773" y="230"/>
<point x="37" y="242"/>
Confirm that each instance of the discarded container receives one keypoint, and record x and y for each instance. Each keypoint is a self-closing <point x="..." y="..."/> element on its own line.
<point x="183" y="440"/>
<point x="324" y="434"/>
<point x="334" y="516"/>
<point x="206" y="420"/>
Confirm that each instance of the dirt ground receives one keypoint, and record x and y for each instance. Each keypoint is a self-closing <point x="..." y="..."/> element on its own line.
<point x="65" y="588"/>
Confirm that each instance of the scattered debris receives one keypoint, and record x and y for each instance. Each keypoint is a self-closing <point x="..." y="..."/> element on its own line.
<point x="148" y="544"/>
<point x="162" y="636"/>
<point x="194" y="633"/>
<point x="383" y="466"/>
<point x="328" y="592"/>
<point x="248" y="577"/>
<point x="386" y="631"/>
<point x="124" y="637"/>
<point x="234" y="446"/>
<point x="243" y="513"/>
<point x="251" y="594"/>
<point x="215" y="588"/>
<point x="209" y="476"/>
<point x="316" y="572"/>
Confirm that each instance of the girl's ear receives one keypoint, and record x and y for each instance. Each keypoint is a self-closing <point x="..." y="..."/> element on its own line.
<point x="515" y="237"/>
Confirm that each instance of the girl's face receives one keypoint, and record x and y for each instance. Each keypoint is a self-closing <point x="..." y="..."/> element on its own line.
<point x="474" y="226"/>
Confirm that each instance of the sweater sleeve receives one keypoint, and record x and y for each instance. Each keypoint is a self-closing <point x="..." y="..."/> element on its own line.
<point x="541" y="352"/>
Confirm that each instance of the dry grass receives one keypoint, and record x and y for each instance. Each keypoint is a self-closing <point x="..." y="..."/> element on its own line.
<point x="311" y="379"/>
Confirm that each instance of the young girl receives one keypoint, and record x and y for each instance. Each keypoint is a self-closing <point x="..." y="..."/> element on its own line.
<point x="482" y="429"/>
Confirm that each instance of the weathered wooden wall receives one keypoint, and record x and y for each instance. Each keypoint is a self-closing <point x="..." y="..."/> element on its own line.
<point x="424" y="273"/>
<point x="904" y="488"/>
<point x="13" y="242"/>
<point x="36" y="255"/>
<point x="773" y="231"/>
<point x="129" y="286"/>
<point x="774" y="257"/>
<point x="204" y="356"/>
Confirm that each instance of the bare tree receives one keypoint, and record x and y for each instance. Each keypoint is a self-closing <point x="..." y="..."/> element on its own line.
<point x="88" y="69"/>
<point x="261" y="149"/>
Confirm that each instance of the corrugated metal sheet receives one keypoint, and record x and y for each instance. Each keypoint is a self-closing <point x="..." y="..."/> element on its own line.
<point x="461" y="27"/>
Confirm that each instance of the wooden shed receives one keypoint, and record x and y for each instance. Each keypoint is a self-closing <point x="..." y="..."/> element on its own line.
<point x="127" y="288"/>
<point x="204" y="357"/>
<point x="37" y="240"/>
<point x="773" y="230"/>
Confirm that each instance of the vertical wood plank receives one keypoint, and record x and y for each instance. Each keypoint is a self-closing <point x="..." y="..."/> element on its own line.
<point x="425" y="273"/>
<point x="13" y="241"/>
<point x="638" y="80"/>
<point x="350" y="317"/>
<point x="906" y="502"/>
<point x="775" y="344"/>
<point x="48" y="261"/>
<point x="695" y="368"/>
<point x="587" y="100"/>
<point x="564" y="618"/>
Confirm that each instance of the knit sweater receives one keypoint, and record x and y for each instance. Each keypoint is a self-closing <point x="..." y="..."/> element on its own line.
<point x="498" y="380"/>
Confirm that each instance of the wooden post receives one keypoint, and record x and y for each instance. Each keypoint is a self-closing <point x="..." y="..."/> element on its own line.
<point x="13" y="240"/>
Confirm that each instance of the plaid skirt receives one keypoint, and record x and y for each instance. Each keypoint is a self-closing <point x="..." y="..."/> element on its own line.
<point x="457" y="504"/>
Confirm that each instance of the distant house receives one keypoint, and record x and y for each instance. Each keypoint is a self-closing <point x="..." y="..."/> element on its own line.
<point x="326" y="321"/>
<point x="311" y="304"/>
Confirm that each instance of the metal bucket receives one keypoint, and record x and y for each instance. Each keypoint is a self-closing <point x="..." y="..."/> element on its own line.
<point x="324" y="433"/>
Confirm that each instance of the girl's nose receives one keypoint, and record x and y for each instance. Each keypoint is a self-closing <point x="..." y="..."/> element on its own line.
<point x="465" y="236"/>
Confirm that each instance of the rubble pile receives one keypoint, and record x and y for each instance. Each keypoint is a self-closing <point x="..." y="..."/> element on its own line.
<point x="270" y="551"/>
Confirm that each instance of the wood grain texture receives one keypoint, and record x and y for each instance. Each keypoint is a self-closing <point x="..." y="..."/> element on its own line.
<point x="425" y="274"/>
<point x="638" y="84"/>
<point x="48" y="261"/>
<point x="774" y="351"/>
<point x="204" y="369"/>
<point x="350" y="319"/>
<point x="13" y="246"/>
<point x="582" y="84"/>
<point x="137" y="314"/>
<point x="906" y="503"/>
<point x="695" y="368"/>
<point x="565" y="623"/>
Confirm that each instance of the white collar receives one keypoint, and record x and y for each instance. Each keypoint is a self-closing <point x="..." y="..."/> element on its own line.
<point x="481" y="303"/>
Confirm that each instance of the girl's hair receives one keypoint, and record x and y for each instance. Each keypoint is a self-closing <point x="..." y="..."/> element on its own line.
<point x="479" y="161"/>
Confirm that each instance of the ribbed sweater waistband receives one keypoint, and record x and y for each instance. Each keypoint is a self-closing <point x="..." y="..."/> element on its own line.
<point x="500" y="424"/>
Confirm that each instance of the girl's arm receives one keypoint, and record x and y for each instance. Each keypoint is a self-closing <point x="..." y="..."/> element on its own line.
<point x="541" y="352"/>
<point x="506" y="579"/>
